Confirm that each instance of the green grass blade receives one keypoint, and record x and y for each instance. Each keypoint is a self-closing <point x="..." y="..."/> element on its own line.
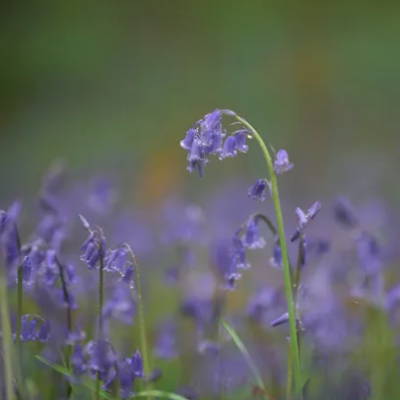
<point x="59" y="368"/>
<point x="148" y="393"/>
<point x="159" y="393"/>
<point x="246" y="355"/>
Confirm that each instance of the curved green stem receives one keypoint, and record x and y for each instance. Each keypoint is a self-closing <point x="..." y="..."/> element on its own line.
<point x="285" y="260"/>
<point x="142" y="326"/>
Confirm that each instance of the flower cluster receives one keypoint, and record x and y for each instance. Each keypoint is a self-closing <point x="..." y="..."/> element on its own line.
<point x="34" y="328"/>
<point x="206" y="137"/>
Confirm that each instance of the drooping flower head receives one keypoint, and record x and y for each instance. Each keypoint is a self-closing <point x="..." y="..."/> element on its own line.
<point x="257" y="191"/>
<point x="206" y="137"/>
<point x="252" y="238"/>
<point x="282" y="163"/>
<point x="94" y="247"/>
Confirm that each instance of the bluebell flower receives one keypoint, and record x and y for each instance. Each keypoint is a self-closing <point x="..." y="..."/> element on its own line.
<point x="241" y="141"/>
<point x="282" y="163"/>
<point x="189" y="138"/>
<point x="102" y="357"/>
<point x="78" y="361"/>
<point x="28" y="328"/>
<point x="238" y="252"/>
<point x="252" y="238"/>
<point x="93" y="248"/>
<point x="121" y="306"/>
<point x="226" y="256"/>
<point x="262" y="301"/>
<point x="166" y="346"/>
<point x="43" y="333"/>
<point x="136" y="364"/>
<point x="276" y="259"/>
<point x="205" y="138"/>
<point x="211" y="132"/>
<point x="171" y="276"/>
<point x="76" y="336"/>
<point x="126" y="378"/>
<point x="34" y="328"/>
<point x="257" y="191"/>
<point x="304" y="218"/>
<point x="201" y="310"/>
<point x="116" y="260"/>
<point x="103" y="196"/>
<point x="318" y="246"/>
<point x="128" y="276"/>
<point x="369" y="253"/>
<point x="344" y="213"/>
<point x="108" y="377"/>
<point x="230" y="148"/>
<point x="27" y="271"/>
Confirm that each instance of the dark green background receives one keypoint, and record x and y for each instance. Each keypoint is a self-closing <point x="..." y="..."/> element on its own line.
<point x="115" y="85"/>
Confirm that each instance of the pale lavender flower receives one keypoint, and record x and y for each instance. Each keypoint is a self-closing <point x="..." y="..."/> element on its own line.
<point x="252" y="238"/>
<point x="241" y="141"/>
<point x="230" y="148"/>
<point x="166" y="342"/>
<point x="282" y="163"/>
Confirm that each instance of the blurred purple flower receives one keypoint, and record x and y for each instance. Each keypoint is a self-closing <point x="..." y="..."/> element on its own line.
<point x="136" y="364"/>
<point x="166" y="342"/>
<point x="102" y="358"/>
<point x="282" y="163"/>
<point x="78" y="361"/>
<point x="121" y="306"/>
<point x="344" y="213"/>
<point x="226" y="256"/>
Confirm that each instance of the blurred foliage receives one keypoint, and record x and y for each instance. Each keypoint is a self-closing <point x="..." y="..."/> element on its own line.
<point x="118" y="83"/>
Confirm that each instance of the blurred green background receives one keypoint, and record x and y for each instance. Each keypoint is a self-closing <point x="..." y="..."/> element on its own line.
<point x="116" y="84"/>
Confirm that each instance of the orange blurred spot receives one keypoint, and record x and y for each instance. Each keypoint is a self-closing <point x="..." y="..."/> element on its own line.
<point x="161" y="176"/>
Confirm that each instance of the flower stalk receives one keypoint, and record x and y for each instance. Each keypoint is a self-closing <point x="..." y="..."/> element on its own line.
<point x="295" y="356"/>
<point x="142" y="324"/>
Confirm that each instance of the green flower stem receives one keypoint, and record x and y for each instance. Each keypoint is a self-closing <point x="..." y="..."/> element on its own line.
<point x="66" y="296"/>
<point x="285" y="259"/>
<point x="142" y="325"/>
<point x="6" y="339"/>
<point x="100" y="312"/>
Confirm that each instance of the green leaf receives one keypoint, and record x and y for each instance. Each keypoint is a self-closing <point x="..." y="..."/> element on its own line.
<point x="58" y="368"/>
<point x="64" y="371"/>
<point x="159" y="393"/>
<point x="246" y="355"/>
